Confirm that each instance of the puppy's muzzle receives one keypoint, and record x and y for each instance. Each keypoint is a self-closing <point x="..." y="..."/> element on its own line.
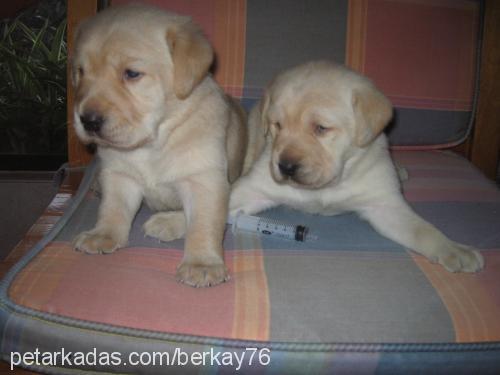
<point x="92" y="121"/>
<point x="288" y="168"/>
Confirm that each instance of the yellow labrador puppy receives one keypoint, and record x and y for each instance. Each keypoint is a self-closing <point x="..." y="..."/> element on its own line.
<point x="318" y="131"/>
<point x="165" y="132"/>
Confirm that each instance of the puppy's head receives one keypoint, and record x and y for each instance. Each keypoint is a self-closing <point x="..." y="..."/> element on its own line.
<point x="132" y="66"/>
<point x="319" y="116"/>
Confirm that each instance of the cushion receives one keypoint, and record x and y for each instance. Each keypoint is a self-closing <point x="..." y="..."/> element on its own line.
<point x="349" y="299"/>
<point x="421" y="54"/>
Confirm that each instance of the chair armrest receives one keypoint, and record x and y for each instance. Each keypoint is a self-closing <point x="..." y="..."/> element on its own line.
<point x="485" y="150"/>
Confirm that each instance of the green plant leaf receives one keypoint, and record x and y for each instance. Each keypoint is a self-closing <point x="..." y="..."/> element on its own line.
<point x="36" y="39"/>
<point x="58" y="43"/>
<point x="33" y="80"/>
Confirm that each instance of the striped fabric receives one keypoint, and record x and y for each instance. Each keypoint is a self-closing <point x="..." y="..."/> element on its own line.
<point x="421" y="53"/>
<point x="350" y="298"/>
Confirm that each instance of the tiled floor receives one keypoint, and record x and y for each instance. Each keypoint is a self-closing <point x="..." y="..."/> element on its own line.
<point x="23" y="198"/>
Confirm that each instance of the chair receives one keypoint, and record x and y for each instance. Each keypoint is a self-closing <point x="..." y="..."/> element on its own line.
<point x="354" y="302"/>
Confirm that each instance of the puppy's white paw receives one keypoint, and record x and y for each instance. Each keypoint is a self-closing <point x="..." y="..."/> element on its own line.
<point x="94" y="242"/>
<point x="200" y="275"/>
<point x="166" y="226"/>
<point x="461" y="258"/>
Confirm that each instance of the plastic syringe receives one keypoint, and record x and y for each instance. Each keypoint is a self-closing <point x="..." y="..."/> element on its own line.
<point x="269" y="227"/>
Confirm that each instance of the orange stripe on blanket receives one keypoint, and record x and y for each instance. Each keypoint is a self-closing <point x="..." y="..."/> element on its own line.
<point x="472" y="300"/>
<point x="229" y="39"/>
<point x="356" y="35"/>
<point x="42" y="276"/>
<point x="252" y="305"/>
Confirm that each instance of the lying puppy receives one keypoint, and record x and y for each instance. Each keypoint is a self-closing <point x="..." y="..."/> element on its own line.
<point x="322" y="151"/>
<point x="165" y="131"/>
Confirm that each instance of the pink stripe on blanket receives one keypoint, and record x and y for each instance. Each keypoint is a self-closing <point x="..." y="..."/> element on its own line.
<point x="136" y="288"/>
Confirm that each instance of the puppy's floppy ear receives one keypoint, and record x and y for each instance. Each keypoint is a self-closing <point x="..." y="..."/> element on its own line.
<point x="192" y="56"/>
<point x="372" y="112"/>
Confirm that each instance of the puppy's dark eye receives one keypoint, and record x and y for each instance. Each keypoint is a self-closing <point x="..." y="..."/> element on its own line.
<point x="277" y="125"/>
<point x="320" y="129"/>
<point x="80" y="71"/>
<point x="130" y="74"/>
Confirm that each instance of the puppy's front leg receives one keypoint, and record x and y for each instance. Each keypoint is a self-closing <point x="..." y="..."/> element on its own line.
<point x="205" y="199"/>
<point x="121" y="198"/>
<point x="249" y="193"/>
<point x="396" y="220"/>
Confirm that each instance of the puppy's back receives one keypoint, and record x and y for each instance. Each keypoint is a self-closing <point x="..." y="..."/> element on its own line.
<point x="236" y="140"/>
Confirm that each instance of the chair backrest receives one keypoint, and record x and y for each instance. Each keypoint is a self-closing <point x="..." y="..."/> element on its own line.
<point x="422" y="54"/>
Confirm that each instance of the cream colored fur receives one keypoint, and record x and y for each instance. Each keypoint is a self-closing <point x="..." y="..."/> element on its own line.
<point x="327" y="122"/>
<point x="170" y="137"/>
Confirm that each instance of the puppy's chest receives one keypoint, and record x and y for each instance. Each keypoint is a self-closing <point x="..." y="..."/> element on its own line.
<point x="322" y="207"/>
<point x="161" y="197"/>
<point x="156" y="179"/>
<point x="159" y="189"/>
<point x="324" y="201"/>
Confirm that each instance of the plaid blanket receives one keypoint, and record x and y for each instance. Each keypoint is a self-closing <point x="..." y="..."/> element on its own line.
<point x="351" y="295"/>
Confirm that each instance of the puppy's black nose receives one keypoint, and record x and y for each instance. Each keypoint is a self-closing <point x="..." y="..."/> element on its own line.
<point x="288" y="168"/>
<point x="92" y="121"/>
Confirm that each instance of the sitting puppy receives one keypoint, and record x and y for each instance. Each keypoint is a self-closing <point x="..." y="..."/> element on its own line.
<point x="318" y="131"/>
<point x="165" y="132"/>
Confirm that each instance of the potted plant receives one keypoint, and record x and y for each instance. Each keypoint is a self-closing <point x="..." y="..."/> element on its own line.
<point x="33" y="88"/>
